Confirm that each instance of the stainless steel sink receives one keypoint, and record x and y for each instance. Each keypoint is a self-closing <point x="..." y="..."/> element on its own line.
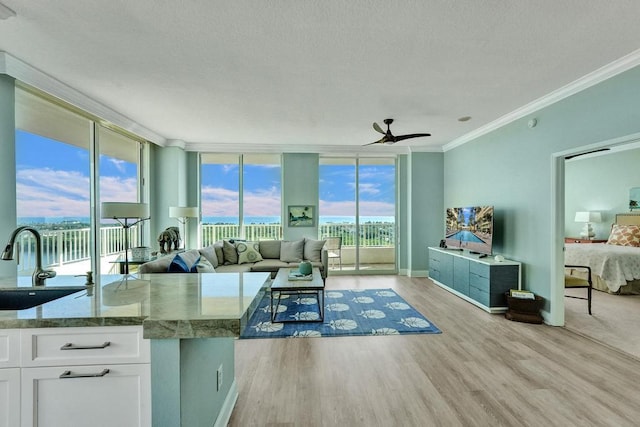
<point x="22" y="298"/>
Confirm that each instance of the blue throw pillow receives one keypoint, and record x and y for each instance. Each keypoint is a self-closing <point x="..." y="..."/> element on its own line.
<point x="178" y="265"/>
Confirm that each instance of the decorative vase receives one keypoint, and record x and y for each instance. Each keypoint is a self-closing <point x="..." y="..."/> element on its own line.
<point x="305" y="267"/>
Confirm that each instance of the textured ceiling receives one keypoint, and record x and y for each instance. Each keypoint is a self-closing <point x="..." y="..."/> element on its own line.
<point x="312" y="75"/>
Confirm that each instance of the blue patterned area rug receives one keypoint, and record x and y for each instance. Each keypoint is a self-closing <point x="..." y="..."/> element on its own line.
<point x="347" y="312"/>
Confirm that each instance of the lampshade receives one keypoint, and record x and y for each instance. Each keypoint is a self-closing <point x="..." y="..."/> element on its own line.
<point x="183" y="212"/>
<point x="588" y="217"/>
<point x="124" y="210"/>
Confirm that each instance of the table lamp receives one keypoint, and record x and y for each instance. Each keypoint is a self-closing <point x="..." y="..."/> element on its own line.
<point x="123" y="213"/>
<point x="182" y="214"/>
<point x="588" y="217"/>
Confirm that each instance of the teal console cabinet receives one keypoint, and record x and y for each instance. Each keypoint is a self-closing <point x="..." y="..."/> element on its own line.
<point x="480" y="281"/>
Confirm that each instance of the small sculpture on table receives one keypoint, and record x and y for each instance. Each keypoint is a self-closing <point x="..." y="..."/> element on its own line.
<point x="170" y="236"/>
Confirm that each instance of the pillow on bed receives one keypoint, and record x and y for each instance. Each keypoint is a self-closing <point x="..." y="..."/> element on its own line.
<point x="624" y="235"/>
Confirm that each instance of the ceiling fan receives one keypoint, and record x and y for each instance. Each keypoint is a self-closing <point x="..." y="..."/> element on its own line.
<point x="389" y="138"/>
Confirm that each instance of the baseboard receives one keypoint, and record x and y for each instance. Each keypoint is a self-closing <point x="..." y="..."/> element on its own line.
<point x="417" y="273"/>
<point x="227" y="407"/>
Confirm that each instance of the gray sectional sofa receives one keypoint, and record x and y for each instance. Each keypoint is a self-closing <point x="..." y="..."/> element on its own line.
<point x="240" y="256"/>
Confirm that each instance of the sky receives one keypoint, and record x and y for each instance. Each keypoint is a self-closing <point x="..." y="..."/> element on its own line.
<point x="53" y="181"/>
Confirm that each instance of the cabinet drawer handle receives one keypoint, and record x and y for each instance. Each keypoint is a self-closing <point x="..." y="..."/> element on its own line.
<point x="68" y="374"/>
<point x="70" y="346"/>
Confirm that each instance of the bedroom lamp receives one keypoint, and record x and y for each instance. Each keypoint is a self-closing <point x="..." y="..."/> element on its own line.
<point x="588" y="217"/>
<point x="182" y="214"/>
<point x="123" y="213"/>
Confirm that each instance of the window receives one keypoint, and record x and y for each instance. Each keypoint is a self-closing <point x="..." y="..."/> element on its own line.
<point x="54" y="181"/>
<point x="240" y="197"/>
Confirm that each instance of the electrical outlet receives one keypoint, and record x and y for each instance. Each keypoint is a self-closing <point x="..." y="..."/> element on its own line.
<point x="219" y="378"/>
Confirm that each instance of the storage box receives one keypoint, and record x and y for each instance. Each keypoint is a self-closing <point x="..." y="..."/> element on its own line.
<point x="524" y="310"/>
<point x="140" y="253"/>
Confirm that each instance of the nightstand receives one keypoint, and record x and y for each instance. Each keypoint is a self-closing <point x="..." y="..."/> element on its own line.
<point x="581" y="240"/>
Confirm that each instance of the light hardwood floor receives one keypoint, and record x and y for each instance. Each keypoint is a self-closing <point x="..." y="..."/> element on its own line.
<point x="614" y="320"/>
<point x="483" y="370"/>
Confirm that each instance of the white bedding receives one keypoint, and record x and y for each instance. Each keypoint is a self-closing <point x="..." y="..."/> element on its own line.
<point x="614" y="264"/>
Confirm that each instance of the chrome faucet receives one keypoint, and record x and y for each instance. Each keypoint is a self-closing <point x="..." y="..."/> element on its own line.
<point x="39" y="274"/>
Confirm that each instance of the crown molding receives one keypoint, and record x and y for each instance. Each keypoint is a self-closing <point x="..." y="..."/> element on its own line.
<point x="203" y="147"/>
<point x="31" y="76"/>
<point x="606" y="72"/>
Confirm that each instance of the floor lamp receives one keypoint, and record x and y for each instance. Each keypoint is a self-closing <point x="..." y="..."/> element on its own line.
<point x="182" y="214"/>
<point x="127" y="215"/>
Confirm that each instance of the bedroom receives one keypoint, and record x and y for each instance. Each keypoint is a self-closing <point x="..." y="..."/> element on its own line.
<point x="601" y="183"/>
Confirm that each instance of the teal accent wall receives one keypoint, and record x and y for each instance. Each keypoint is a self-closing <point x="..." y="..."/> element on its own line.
<point x="425" y="206"/>
<point x="300" y="175"/>
<point x="403" y="214"/>
<point x="184" y="380"/>
<point x="8" y="167"/>
<point x="511" y="168"/>
<point x="601" y="184"/>
<point x="168" y="186"/>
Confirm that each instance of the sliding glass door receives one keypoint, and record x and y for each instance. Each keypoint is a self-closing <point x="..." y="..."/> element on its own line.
<point x="357" y="213"/>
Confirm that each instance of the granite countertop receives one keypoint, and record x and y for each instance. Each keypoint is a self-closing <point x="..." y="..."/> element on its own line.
<point x="167" y="305"/>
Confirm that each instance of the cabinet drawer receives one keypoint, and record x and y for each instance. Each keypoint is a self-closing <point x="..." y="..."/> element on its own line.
<point x="70" y="396"/>
<point x="9" y="348"/>
<point x="84" y="346"/>
<point x="479" y="295"/>
<point x="479" y="282"/>
<point x="479" y="269"/>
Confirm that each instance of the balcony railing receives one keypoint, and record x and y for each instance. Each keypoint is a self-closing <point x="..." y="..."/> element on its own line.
<point x="60" y="247"/>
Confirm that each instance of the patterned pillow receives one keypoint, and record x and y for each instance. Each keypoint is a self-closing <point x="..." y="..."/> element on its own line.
<point x="624" y="235"/>
<point x="248" y="252"/>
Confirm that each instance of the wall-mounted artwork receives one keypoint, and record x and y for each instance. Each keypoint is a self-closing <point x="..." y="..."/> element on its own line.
<point x="634" y="199"/>
<point x="301" y="216"/>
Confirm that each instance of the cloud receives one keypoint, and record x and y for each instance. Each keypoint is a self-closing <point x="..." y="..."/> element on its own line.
<point x="217" y="201"/>
<point x="118" y="164"/>
<point x="47" y="192"/>
<point x="348" y="208"/>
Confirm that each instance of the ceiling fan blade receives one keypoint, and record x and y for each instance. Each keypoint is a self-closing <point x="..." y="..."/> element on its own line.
<point x="380" y="141"/>
<point x="411" y="135"/>
<point x="378" y="128"/>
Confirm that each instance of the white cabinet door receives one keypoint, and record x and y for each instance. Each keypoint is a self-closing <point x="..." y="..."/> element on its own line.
<point x="9" y="397"/>
<point x="96" y="395"/>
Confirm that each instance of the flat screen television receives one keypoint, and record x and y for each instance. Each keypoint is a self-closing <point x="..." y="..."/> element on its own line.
<point x="470" y="228"/>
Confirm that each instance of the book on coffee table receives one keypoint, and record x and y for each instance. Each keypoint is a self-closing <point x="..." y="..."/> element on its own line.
<point x="296" y="275"/>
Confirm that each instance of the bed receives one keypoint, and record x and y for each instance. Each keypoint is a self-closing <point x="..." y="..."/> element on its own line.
<point x="615" y="265"/>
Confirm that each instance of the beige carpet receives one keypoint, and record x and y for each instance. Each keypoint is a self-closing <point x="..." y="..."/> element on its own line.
<point x="615" y="320"/>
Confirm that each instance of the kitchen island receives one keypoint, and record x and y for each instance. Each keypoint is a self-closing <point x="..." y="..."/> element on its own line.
<point x="186" y="325"/>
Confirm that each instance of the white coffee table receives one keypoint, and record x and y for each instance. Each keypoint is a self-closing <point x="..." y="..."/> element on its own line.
<point x="282" y="285"/>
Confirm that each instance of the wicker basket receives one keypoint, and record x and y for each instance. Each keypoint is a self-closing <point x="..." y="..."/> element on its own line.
<point x="522" y="305"/>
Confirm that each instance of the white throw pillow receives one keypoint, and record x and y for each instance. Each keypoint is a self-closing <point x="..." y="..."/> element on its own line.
<point x="292" y="251"/>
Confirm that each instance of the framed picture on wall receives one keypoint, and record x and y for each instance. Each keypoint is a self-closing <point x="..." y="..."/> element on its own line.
<point x="301" y="216"/>
<point x="634" y="198"/>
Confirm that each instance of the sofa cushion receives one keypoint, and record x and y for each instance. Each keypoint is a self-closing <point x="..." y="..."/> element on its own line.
<point x="234" y="268"/>
<point x="210" y="254"/>
<point x="269" y="265"/>
<point x="312" y="249"/>
<point x="229" y="251"/>
<point x="217" y="247"/>
<point x="292" y="251"/>
<point x="159" y="265"/>
<point x="248" y="252"/>
<point x="203" y="266"/>
<point x="270" y="249"/>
